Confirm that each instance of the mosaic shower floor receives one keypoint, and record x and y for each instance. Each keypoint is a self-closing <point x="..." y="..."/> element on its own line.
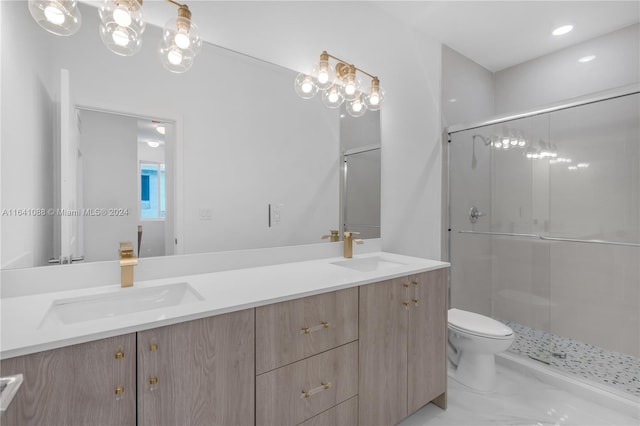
<point x="613" y="369"/>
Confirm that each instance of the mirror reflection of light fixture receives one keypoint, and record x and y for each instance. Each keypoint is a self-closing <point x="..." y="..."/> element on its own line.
<point x="340" y="85"/>
<point x="153" y="144"/>
<point x="181" y="41"/>
<point x="121" y="26"/>
<point x="60" y="17"/>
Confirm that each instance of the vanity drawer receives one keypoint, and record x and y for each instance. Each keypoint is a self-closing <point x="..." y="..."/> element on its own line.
<point x="290" y="331"/>
<point x="294" y="393"/>
<point x="343" y="414"/>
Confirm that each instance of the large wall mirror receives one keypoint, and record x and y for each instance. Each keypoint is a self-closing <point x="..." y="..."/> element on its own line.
<point x="243" y="161"/>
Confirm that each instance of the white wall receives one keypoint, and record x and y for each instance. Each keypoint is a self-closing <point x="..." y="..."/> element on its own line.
<point x="560" y="76"/>
<point x="467" y="89"/>
<point x="27" y="160"/>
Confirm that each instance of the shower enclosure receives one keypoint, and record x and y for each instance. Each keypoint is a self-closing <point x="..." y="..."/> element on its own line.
<point x="544" y="232"/>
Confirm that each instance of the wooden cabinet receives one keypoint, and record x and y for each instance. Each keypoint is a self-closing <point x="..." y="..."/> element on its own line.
<point x="307" y="360"/>
<point x="89" y="383"/>
<point x="198" y="372"/>
<point x="402" y="342"/>
<point x="194" y="373"/>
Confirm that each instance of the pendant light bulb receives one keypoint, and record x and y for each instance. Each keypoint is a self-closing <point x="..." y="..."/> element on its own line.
<point x="356" y="108"/>
<point x="325" y="76"/>
<point x="305" y="86"/>
<point x="351" y="85"/>
<point x="181" y="42"/>
<point x="60" y="17"/>
<point x="374" y="99"/>
<point x="332" y="97"/>
<point x="121" y="26"/>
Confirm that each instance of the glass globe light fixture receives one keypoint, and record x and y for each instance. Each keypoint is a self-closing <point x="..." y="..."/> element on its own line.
<point x="323" y="73"/>
<point x="350" y="83"/>
<point x="374" y="99"/>
<point x="121" y="26"/>
<point x="332" y="97"/>
<point x="305" y="86"/>
<point x="60" y="17"/>
<point x="181" y="42"/>
<point x="356" y="108"/>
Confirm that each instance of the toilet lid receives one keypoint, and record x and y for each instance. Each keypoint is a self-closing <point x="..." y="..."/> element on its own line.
<point x="477" y="324"/>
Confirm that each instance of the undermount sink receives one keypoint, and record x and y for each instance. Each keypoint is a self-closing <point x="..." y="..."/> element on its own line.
<point x="368" y="264"/>
<point x="121" y="302"/>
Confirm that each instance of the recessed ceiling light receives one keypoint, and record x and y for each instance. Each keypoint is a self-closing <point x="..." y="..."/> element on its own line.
<point x="587" y="58"/>
<point x="161" y="130"/>
<point x="562" y="30"/>
<point x="153" y="144"/>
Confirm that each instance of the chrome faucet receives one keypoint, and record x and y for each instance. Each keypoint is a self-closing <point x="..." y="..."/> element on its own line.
<point x="348" y="243"/>
<point x="127" y="261"/>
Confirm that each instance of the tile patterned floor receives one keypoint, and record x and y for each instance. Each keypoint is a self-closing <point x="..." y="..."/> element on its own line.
<point x="613" y="369"/>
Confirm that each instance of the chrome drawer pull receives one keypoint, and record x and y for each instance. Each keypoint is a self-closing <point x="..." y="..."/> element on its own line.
<point x="311" y="392"/>
<point x="308" y="330"/>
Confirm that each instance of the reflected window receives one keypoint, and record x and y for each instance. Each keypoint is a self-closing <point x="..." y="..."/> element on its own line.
<point x="152" y="190"/>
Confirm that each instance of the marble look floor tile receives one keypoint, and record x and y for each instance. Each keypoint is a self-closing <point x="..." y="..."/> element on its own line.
<point x="517" y="400"/>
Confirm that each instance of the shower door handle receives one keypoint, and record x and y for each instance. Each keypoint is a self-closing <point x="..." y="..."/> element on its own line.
<point x="474" y="214"/>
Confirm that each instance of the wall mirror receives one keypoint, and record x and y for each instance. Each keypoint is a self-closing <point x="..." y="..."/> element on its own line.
<point x="241" y="148"/>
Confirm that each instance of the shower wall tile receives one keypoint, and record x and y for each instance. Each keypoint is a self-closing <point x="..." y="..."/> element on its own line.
<point x="471" y="273"/>
<point x="520" y="281"/>
<point x="596" y="295"/>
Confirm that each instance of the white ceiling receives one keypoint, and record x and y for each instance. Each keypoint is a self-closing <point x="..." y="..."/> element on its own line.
<point x="495" y="34"/>
<point x="499" y="34"/>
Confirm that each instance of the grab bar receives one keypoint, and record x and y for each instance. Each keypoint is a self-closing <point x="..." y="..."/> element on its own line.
<point x="542" y="237"/>
<point x="574" y="240"/>
<point x="504" y="234"/>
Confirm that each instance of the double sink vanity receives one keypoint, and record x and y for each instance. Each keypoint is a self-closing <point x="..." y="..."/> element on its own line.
<point x="329" y="341"/>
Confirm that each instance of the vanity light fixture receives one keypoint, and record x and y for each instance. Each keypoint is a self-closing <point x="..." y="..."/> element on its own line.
<point x="339" y="84"/>
<point x="60" y="17"/>
<point x="121" y="28"/>
<point x="181" y="41"/>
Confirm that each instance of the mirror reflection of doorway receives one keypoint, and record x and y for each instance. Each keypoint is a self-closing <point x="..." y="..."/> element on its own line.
<point x="126" y="183"/>
<point x="361" y="193"/>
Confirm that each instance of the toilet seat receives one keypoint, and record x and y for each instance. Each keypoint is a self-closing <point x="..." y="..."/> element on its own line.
<point x="478" y="325"/>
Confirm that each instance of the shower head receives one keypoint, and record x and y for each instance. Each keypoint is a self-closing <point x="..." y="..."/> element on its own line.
<point x="484" y="140"/>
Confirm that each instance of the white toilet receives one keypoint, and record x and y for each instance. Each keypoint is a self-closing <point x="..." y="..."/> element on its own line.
<point x="474" y="340"/>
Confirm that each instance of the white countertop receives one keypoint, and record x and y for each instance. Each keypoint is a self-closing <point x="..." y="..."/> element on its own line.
<point x="23" y="330"/>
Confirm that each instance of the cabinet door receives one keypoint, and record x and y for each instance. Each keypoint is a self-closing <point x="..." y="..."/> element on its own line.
<point x="427" y="345"/>
<point x="76" y="385"/>
<point x="198" y="373"/>
<point x="383" y="353"/>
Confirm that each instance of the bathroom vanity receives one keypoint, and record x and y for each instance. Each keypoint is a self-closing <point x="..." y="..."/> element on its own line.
<point x="319" y="342"/>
